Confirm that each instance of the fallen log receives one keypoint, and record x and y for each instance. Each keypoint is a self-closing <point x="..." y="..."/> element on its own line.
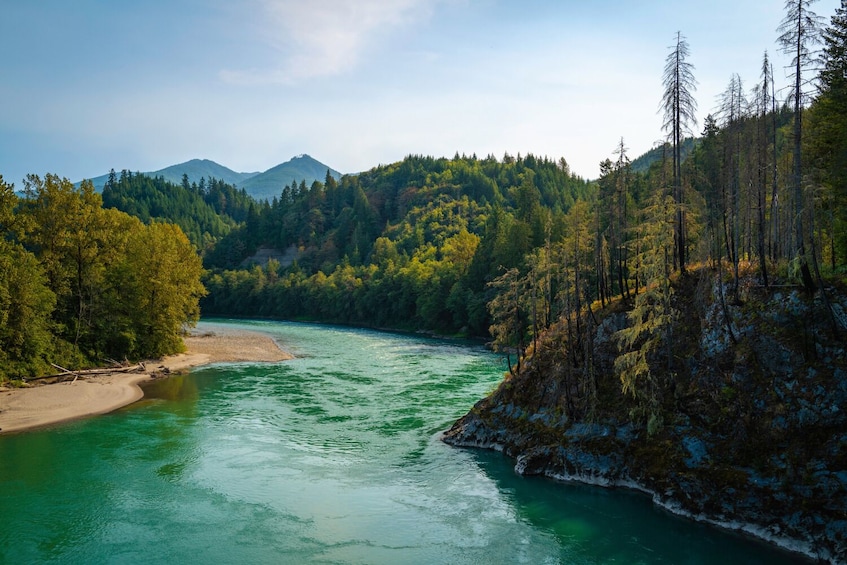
<point x="88" y="372"/>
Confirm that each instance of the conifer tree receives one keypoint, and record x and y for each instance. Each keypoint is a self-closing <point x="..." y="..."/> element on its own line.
<point x="799" y="32"/>
<point x="763" y="137"/>
<point x="652" y="316"/>
<point x="679" y="109"/>
<point x="733" y="111"/>
<point x="508" y="319"/>
<point x="828" y="124"/>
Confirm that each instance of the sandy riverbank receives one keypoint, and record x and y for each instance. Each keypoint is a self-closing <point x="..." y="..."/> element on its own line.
<point x="38" y="406"/>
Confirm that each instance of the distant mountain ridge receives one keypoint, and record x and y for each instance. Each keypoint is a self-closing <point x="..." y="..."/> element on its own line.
<point x="642" y="163"/>
<point x="265" y="186"/>
<point x="261" y="186"/>
<point x="202" y="168"/>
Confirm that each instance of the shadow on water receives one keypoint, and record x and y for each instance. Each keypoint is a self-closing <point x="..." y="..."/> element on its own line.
<point x="179" y="387"/>
<point x="65" y="491"/>
<point x="600" y="525"/>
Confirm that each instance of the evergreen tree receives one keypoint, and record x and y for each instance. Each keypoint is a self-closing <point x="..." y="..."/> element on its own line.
<point x="679" y="109"/>
<point x="828" y="139"/>
<point x="652" y="316"/>
<point x="733" y="112"/>
<point x="799" y="32"/>
<point x="508" y="327"/>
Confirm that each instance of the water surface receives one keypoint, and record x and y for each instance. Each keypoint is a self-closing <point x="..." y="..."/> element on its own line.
<point x="333" y="457"/>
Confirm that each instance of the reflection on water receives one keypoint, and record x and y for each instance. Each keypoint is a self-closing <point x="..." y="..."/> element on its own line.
<point x="332" y="457"/>
<point x="179" y="387"/>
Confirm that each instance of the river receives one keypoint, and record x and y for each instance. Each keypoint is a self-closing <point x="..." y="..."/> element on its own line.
<point x="332" y="457"/>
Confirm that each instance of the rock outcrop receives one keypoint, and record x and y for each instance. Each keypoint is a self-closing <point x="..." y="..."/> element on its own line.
<point x="754" y="411"/>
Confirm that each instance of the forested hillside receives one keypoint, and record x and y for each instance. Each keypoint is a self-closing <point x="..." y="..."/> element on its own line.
<point x="695" y="349"/>
<point x="507" y="247"/>
<point x="80" y="284"/>
<point x="410" y="245"/>
<point x="206" y="210"/>
<point x="300" y="168"/>
<point x="504" y="247"/>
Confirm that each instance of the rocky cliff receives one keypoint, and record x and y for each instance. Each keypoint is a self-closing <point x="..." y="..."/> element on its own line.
<point x="753" y="411"/>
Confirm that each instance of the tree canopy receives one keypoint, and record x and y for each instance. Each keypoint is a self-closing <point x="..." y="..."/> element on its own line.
<point x="80" y="284"/>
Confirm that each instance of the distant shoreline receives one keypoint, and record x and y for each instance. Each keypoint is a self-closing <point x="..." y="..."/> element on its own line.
<point x="29" y="408"/>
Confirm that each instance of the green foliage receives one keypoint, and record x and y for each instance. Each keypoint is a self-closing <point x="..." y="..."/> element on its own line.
<point x="652" y="316"/>
<point x="206" y="212"/>
<point x="508" y="327"/>
<point x="414" y="243"/>
<point x="25" y="306"/>
<point x="826" y="143"/>
<point x="161" y="282"/>
<point x="643" y="163"/>
<point x="79" y="283"/>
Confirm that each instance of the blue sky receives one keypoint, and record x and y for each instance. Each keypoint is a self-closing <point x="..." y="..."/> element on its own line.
<point x="90" y="85"/>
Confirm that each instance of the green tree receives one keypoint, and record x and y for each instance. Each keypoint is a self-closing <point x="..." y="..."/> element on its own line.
<point x="508" y="327"/>
<point x="25" y="301"/>
<point x="575" y="258"/>
<point x="25" y="307"/>
<point x="67" y="234"/>
<point x="828" y="133"/>
<point x="652" y="316"/>
<point x="161" y="271"/>
<point x="612" y="215"/>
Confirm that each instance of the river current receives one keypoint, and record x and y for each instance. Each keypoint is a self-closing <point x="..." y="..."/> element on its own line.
<point x="333" y="457"/>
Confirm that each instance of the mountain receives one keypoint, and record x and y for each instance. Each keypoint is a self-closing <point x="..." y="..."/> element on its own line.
<point x="195" y="169"/>
<point x="642" y="163"/>
<point x="199" y="168"/>
<point x="261" y="186"/>
<point x="265" y="186"/>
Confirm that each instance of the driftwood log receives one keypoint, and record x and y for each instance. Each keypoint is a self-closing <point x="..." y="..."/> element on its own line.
<point x="67" y="374"/>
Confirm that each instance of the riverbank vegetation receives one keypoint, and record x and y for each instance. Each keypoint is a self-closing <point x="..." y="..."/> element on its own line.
<point x="502" y="248"/>
<point x="678" y="325"/>
<point x="81" y="284"/>
<point x="698" y="352"/>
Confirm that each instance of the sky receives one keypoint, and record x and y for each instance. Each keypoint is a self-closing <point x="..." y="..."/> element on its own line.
<point x="91" y="85"/>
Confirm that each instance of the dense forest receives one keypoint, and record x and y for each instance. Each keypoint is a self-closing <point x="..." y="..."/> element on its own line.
<point x="81" y="284"/>
<point x="410" y="245"/>
<point x="676" y="324"/>
<point x="205" y="211"/>
<point x="500" y="248"/>
<point x="508" y="248"/>
<point x="696" y="349"/>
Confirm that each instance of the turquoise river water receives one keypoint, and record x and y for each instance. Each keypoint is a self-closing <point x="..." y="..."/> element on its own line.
<point x="333" y="457"/>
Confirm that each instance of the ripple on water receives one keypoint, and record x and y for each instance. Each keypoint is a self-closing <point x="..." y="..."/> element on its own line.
<point x="331" y="457"/>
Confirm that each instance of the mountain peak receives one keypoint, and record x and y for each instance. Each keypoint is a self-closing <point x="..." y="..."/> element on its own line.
<point x="261" y="186"/>
<point x="300" y="168"/>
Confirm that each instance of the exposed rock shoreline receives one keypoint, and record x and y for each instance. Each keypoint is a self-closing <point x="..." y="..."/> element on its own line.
<point x="756" y="441"/>
<point x="573" y="464"/>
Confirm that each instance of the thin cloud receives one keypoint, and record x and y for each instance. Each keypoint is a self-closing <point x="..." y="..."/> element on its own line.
<point x="326" y="37"/>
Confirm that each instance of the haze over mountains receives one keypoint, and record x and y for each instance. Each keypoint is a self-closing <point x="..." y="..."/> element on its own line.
<point x="260" y="185"/>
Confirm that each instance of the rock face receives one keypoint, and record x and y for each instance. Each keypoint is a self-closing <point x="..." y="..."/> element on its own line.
<point x="754" y="412"/>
